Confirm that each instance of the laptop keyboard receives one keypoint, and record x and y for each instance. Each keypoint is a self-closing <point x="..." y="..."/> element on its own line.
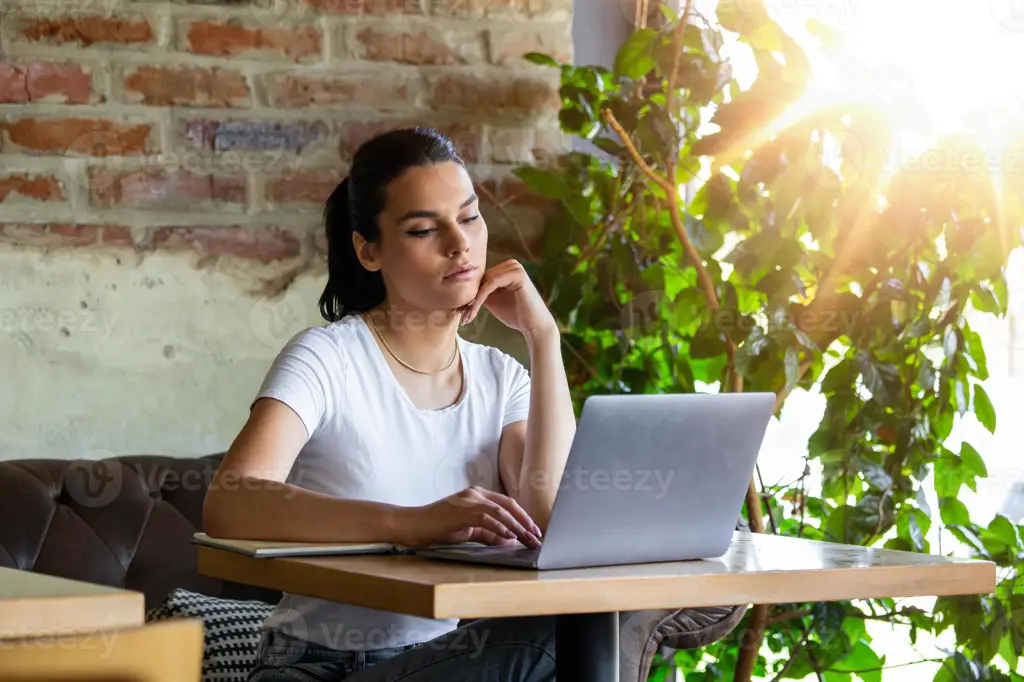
<point x="526" y="553"/>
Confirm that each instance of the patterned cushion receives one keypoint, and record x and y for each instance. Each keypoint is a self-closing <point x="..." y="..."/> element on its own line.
<point x="232" y="631"/>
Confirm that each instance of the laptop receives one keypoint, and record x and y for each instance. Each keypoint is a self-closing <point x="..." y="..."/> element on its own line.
<point x="650" y="478"/>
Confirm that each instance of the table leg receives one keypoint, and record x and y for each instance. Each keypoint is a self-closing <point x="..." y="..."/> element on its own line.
<point x="587" y="647"/>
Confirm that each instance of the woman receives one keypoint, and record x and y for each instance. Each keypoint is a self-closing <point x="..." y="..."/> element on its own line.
<point x="366" y="429"/>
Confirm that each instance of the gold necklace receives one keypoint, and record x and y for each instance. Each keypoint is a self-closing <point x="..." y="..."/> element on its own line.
<point x="451" y="360"/>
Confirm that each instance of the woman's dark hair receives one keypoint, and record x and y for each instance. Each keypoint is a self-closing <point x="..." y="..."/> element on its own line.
<point x="355" y="204"/>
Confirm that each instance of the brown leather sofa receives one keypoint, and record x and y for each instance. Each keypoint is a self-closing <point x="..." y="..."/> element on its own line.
<point x="127" y="522"/>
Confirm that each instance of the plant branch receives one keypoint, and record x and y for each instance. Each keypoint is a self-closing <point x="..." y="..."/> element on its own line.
<point x="783" y="616"/>
<point x="637" y="159"/>
<point x="487" y="194"/>
<point x="886" y="667"/>
<point x="677" y="51"/>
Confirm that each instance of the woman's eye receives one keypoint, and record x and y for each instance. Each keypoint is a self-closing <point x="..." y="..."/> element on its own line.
<point x="471" y="219"/>
<point x="421" y="233"/>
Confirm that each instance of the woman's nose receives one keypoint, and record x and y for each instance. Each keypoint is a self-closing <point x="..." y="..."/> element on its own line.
<point x="457" y="241"/>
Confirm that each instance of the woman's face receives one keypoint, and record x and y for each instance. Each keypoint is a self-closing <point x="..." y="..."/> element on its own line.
<point x="430" y="228"/>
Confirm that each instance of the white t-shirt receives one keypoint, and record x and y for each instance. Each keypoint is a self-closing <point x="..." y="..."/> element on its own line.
<point x="368" y="441"/>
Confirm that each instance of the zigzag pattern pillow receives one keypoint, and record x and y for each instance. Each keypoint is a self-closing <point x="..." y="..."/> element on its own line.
<point x="231" y="631"/>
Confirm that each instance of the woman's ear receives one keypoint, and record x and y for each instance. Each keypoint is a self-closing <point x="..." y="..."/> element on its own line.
<point x="365" y="252"/>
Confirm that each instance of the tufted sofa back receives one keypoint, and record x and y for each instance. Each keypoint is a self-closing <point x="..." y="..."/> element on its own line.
<point x="124" y="521"/>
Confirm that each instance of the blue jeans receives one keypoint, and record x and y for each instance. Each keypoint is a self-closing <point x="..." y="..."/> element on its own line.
<point x="485" y="650"/>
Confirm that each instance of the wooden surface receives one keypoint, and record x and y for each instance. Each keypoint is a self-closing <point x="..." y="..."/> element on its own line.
<point x="170" y="651"/>
<point x="37" y="605"/>
<point x="757" y="569"/>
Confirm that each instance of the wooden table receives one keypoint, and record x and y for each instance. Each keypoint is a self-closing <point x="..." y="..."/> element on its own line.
<point x="39" y="605"/>
<point x="757" y="569"/>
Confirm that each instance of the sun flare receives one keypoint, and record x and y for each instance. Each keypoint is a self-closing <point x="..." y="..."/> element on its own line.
<point x="929" y="69"/>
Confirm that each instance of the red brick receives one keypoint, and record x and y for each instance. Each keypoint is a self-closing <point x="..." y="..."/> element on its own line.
<point x="38" y="187"/>
<point x="89" y="136"/>
<point x="310" y="187"/>
<point x="88" y="30"/>
<point x="49" y="235"/>
<point x="467" y="139"/>
<point x="374" y="7"/>
<point x="493" y="96"/>
<point x="117" y="236"/>
<point x="163" y="86"/>
<point x="367" y="90"/>
<point x="227" y="39"/>
<point x="44" y="82"/>
<point x="420" y="46"/>
<point x="262" y="244"/>
<point x="509" y="46"/>
<point x="153" y="188"/>
<point x="228" y="134"/>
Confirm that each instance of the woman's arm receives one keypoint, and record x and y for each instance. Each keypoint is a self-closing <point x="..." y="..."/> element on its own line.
<point x="248" y="497"/>
<point x="531" y="454"/>
<point x="544" y="439"/>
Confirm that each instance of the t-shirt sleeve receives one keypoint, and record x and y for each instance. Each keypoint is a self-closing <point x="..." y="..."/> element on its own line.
<point x="517" y="407"/>
<point x="300" y="376"/>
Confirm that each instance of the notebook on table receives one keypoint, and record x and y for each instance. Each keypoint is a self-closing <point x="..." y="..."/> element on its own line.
<point x="266" y="549"/>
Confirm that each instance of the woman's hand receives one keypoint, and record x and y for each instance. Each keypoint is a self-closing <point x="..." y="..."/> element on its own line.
<point x="471" y="515"/>
<point x="508" y="293"/>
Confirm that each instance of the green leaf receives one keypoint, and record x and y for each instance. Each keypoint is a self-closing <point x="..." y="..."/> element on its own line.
<point x="879" y="379"/>
<point x="1003" y="531"/>
<point x="983" y="409"/>
<point x="635" y="57"/>
<point x="540" y="58"/>
<point x="547" y="183"/>
<point x="972" y="460"/>
<point x="962" y="397"/>
<point x="862" y="658"/>
<point x="950" y="341"/>
<point x="912" y="524"/>
<point x="949" y="475"/>
<point x="953" y="512"/>
<point x="792" y="368"/>
<point x="709" y="370"/>
<point x="779" y="285"/>
<point x="984" y="300"/>
<point x="875" y="474"/>
<point x="1008" y="650"/>
<point x="707" y="343"/>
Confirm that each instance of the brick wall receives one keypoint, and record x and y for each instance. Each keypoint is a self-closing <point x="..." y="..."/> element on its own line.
<point x="163" y="170"/>
<point x="220" y="127"/>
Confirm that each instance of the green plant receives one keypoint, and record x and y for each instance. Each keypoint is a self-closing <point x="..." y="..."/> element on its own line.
<point x="785" y="270"/>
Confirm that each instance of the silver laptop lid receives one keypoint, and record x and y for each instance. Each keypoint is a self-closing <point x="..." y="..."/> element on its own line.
<point x="655" y="477"/>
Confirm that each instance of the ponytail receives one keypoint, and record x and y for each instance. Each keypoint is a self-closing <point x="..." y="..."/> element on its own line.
<point x="355" y="205"/>
<point x="350" y="288"/>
